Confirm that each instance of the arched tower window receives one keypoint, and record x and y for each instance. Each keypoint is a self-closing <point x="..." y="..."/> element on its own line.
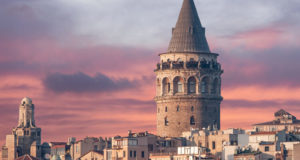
<point x="166" y="121"/>
<point x="192" y="85"/>
<point x="192" y="120"/>
<point x="166" y="86"/>
<point x="192" y="108"/>
<point x="204" y="85"/>
<point x="178" y="85"/>
<point x="178" y="108"/>
<point x="166" y="109"/>
<point x="214" y="88"/>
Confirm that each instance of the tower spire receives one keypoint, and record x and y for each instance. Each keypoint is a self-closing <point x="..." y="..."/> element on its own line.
<point x="188" y="35"/>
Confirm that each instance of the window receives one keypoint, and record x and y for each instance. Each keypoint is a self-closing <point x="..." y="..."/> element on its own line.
<point x="204" y="85"/>
<point x="166" y="109"/>
<point x="178" y="108"/>
<point x="95" y="147"/>
<point x="214" y="86"/>
<point x="213" y="145"/>
<point x="166" y="86"/>
<point x="192" y="108"/>
<point x="192" y="120"/>
<point x="150" y="147"/>
<point x="192" y="85"/>
<point x="158" y="110"/>
<point x="166" y="121"/>
<point x="134" y="154"/>
<point x="267" y="149"/>
<point x="143" y="154"/>
<point x="77" y="149"/>
<point x="178" y="85"/>
<point x="124" y="154"/>
<point x="130" y="153"/>
<point x="38" y="133"/>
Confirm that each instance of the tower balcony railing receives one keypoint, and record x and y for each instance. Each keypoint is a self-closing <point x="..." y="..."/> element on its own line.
<point x="192" y="65"/>
<point x="157" y="67"/>
<point x="201" y="65"/>
<point x="166" y="65"/>
<point x="177" y="65"/>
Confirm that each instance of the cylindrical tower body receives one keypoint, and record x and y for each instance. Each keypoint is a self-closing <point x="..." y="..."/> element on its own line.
<point x="188" y="82"/>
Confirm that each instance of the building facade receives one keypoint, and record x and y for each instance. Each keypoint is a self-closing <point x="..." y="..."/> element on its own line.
<point x="81" y="147"/>
<point x="215" y="140"/>
<point x="132" y="147"/>
<point x="188" y="79"/>
<point x="26" y="137"/>
<point x="141" y="145"/>
<point x="283" y="120"/>
<point x="61" y="149"/>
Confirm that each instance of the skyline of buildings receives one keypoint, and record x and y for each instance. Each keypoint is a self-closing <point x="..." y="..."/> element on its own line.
<point x="123" y="87"/>
<point x="277" y="139"/>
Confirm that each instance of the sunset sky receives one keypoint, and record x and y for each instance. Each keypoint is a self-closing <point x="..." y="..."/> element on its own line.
<point x="88" y="64"/>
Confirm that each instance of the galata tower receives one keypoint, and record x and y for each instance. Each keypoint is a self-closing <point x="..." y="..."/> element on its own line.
<point x="188" y="79"/>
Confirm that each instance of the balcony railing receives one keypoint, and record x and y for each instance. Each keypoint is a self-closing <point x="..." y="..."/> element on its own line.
<point x="205" y="65"/>
<point x="166" y="65"/>
<point x="177" y="65"/>
<point x="192" y="65"/>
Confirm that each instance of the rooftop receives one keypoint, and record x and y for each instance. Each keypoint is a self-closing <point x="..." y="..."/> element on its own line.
<point x="188" y="35"/>
<point x="26" y="157"/>
<point x="277" y="122"/>
<point x="263" y="133"/>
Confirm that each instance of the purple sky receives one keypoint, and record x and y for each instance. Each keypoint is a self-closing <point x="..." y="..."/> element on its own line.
<point x="88" y="64"/>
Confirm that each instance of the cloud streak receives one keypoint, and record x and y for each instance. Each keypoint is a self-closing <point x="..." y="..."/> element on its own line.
<point x="80" y="83"/>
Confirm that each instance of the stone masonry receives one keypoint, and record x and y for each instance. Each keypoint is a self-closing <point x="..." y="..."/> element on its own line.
<point x="188" y="79"/>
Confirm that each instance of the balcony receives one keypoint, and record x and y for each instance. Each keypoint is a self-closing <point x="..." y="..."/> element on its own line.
<point x="157" y="67"/>
<point x="177" y="65"/>
<point x="166" y="65"/>
<point x="192" y="65"/>
<point x="204" y="65"/>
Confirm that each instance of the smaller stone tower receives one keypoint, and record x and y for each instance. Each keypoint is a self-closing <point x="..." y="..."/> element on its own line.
<point x="26" y="113"/>
<point x="26" y="137"/>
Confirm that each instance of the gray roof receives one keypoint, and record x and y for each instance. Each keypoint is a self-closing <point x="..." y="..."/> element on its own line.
<point x="277" y="122"/>
<point x="188" y="35"/>
<point x="281" y="112"/>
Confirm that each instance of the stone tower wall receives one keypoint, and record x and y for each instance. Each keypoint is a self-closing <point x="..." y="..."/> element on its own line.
<point x="206" y="106"/>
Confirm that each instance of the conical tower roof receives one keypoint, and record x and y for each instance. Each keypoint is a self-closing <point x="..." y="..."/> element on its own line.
<point x="188" y="35"/>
